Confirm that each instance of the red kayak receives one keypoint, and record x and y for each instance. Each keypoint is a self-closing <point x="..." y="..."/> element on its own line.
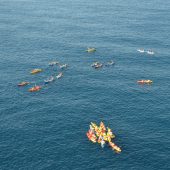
<point x="91" y="136"/>
<point x="35" y="88"/>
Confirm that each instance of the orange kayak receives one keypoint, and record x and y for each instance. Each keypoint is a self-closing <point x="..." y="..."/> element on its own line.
<point x="115" y="147"/>
<point x="24" y="83"/>
<point x="35" y="88"/>
<point x="36" y="71"/>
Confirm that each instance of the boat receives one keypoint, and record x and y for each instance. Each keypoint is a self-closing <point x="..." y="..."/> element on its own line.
<point x="53" y="63"/>
<point x="115" y="147"/>
<point x="95" y="127"/>
<point x="95" y="64"/>
<point x="50" y="79"/>
<point x="141" y="50"/>
<point x="35" y="71"/>
<point x="34" y="89"/>
<point x="24" y="83"/>
<point x="110" y="135"/>
<point x="90" y="50"/>
<point x="145" y="81"/>
<point x="91" y="136"/>
<point x="110" y="63"/>
<point x="150" y="52"/>
<point x="63" y="66"/>
<point x="98" y="66"/>
<point x="59" y="75"/>
<point x="102" y="143"/>
<point x="103" y="128"/>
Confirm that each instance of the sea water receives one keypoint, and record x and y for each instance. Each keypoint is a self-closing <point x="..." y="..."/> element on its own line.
<point x="46" y="130"/>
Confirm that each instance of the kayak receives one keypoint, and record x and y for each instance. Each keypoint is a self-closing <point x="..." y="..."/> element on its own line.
<point x="90" y="50"/>
<point x="95" y="64"/>
<point x="141" y="50"/>
<point x="53" y="63"/>
<point x="150" y="52"/>
<point x="24" y="83"/>
<point x="63" y="66"/>
<point x="91" y="136"/>
<point x="96" y="128"/>
<point x="102" y="127"/>
<point x="98" y="66"/>
<point x="35" y="71"/>
<point x="110" y="134"/>
<point x="35" y="88"/>
<point x="144" y="81"/>
<point x="94" y="125"/>
<point x="115" y="147"/>
<point x="49" y="80"/>
<point x="102" y="143"/>
<point x="110" y="63"/>
<point x="59" y="75"/>
<point x="105" y="137"/>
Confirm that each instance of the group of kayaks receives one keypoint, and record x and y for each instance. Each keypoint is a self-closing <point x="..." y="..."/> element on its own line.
<point x="32" y="89"/>
<point x="150" y="52"/>
<point x="102" y="135"/>
<point x="35" y="87"/>
<point x="99" y="65"/>
<point x="52" y="78"/>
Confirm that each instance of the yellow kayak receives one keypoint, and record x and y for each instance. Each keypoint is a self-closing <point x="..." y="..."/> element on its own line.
<point x="144" y="81"/>
<point x="35" y="71"/>
<point x="115" y="147"/>
<point x="94" y="125"/>
<point x="90" y="50"/>
<point x="109" y="133"/>
<point x="102" y="126"/>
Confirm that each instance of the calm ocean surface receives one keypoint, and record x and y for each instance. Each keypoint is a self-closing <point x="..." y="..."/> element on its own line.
<point x="47" y="130"/>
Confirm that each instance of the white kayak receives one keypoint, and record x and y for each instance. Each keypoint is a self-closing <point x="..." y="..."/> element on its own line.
<point x="59" y="75"/>
<point x="110" y="63"/>
<point x="102" y="143"/>
<point x="141" y="50"/>
<point x="50" y="79"/>
<point x="150" y="52"/>
<point x="95" y="64"/>
<point x="53" y="63"/>
<point x="63" y="66"/>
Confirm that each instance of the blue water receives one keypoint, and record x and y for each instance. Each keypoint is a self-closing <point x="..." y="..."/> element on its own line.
<point x="47" y="130"/>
